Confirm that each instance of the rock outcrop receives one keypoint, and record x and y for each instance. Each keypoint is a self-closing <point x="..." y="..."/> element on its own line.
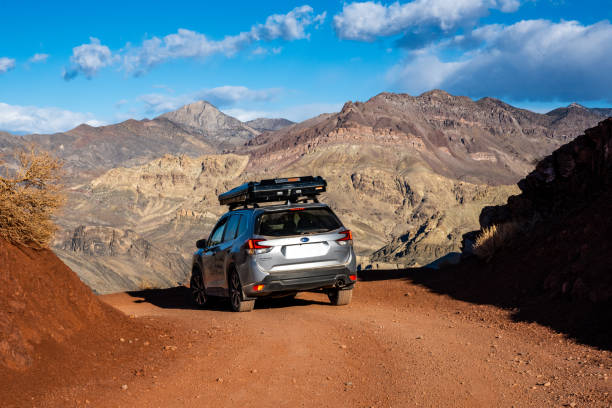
<point x="566" y="203"/>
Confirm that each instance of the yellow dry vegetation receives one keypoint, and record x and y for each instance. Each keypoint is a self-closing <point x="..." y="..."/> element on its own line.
<point x="494" y="238"/>
<point x="29" y="197"/>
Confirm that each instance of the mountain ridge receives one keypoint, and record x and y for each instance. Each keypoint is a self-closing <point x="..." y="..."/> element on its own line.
<point x="410" y="173"/>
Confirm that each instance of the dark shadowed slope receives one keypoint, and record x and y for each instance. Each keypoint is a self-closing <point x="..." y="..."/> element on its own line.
<point x="558" y="271"/>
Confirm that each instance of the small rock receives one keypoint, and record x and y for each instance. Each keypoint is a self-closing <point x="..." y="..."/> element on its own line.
<point x="343" y="346"/>
<point x="146" y="343"/>
<point x="419" y="337"/>
<point x="124" y="387"/>
<point x="547" y="384"/>
<point x="122" y="340"/>
<point x="219" y="380"/>
<point x="170" y="348"/>
<point x="254" y="371"/>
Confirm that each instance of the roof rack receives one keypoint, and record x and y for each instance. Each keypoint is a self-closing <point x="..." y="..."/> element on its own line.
<point x="291" y="190"/>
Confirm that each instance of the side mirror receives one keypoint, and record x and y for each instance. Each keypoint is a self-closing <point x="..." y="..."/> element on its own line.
<point x="201" y="243"/>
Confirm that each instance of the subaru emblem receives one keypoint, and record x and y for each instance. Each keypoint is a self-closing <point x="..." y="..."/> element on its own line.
<point x="304" y="239"/>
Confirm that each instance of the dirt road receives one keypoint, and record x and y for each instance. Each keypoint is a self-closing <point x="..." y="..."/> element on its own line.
<point x="396" y="345"/>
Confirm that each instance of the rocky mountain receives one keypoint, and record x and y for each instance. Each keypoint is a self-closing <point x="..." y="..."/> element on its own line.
<point x="409" y="175"/>
<point x="195" y="129"/>
<point x="578" y="110"/>
<point x="267" y="125"/>
<point x="202" y="116"/>
<point x="485" y="141"/>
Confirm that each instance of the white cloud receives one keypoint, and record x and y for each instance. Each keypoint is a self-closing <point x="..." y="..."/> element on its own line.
<point x="260" y="51"/>
<point x="266" y="51"/>
<point x="529" y="60"/>
<point x="38" y="58"/>
<point x="191" y="44"/>
<point x="223" y="96"/>
<point x="6" y="64"/>
<point x="366" y="21"/>
<point x="32" y="119"/>
<point x="87" y="59"/>
<point x="290" y="26"/>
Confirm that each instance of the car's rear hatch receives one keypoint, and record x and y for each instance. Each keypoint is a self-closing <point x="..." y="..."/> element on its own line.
<point x="301" y="238"/>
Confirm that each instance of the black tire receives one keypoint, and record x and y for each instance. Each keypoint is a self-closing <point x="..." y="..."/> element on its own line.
<point x="339" y="297"/>
<point x="198" y="291"/>
<point x="237" y="303"/>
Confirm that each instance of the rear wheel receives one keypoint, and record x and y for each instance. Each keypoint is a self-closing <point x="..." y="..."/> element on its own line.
<point x="198" y="291"/>
<point x="237" y="303"/>
<point x="339" y="297"/>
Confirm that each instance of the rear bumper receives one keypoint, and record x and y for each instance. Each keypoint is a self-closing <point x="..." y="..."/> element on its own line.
<point x="302" y="280"/>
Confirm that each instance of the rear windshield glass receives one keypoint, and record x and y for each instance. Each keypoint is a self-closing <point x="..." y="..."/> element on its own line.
<point x="297" y="222"/>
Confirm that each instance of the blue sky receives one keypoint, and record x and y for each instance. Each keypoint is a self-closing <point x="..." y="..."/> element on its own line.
<point x="82" y="61"/>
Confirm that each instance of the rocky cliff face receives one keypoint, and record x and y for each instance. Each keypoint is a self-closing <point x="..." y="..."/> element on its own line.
<point x="108" y="258"/>
<point x="566" y="201"/>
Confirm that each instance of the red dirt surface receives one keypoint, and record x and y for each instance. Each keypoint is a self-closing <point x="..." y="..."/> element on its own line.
<point x="53" y="329"/>
<point x="397" y="344"/>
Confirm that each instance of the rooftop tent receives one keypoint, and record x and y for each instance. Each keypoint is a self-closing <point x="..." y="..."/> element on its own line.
<point x="280" y="189"/>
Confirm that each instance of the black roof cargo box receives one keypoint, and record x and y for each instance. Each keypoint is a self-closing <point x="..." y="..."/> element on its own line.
<point x="280" y="189"/>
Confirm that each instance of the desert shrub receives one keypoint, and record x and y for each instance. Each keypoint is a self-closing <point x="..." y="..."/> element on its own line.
<point x="494" y="238"/>
<point x="29" y="196"/>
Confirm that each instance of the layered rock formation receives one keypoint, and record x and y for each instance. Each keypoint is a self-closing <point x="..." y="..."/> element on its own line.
<point x="114" y="255"/>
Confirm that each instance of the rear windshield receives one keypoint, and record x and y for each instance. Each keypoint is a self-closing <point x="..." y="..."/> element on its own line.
<point x="297" y="222"/>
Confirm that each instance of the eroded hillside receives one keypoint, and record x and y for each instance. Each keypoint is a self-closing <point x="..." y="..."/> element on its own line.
<point x="409" y="175"/>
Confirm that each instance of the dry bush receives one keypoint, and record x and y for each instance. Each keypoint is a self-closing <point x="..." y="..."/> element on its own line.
<point x="28" y="198"/>
<point x="494" y="238"/>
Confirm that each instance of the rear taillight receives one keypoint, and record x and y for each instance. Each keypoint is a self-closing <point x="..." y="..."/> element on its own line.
<point x="347" y="238"/>
<point x="255" y="244"/>
<point x="254" y="247"/>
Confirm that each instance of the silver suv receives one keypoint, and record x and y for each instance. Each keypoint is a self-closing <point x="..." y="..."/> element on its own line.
<point x="276" y="250"/>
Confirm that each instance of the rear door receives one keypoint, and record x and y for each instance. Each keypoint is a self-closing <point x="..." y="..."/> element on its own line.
<point x="210" y="254"/>
<point x="301" y="238"/>
<point x="222" y="257"/>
